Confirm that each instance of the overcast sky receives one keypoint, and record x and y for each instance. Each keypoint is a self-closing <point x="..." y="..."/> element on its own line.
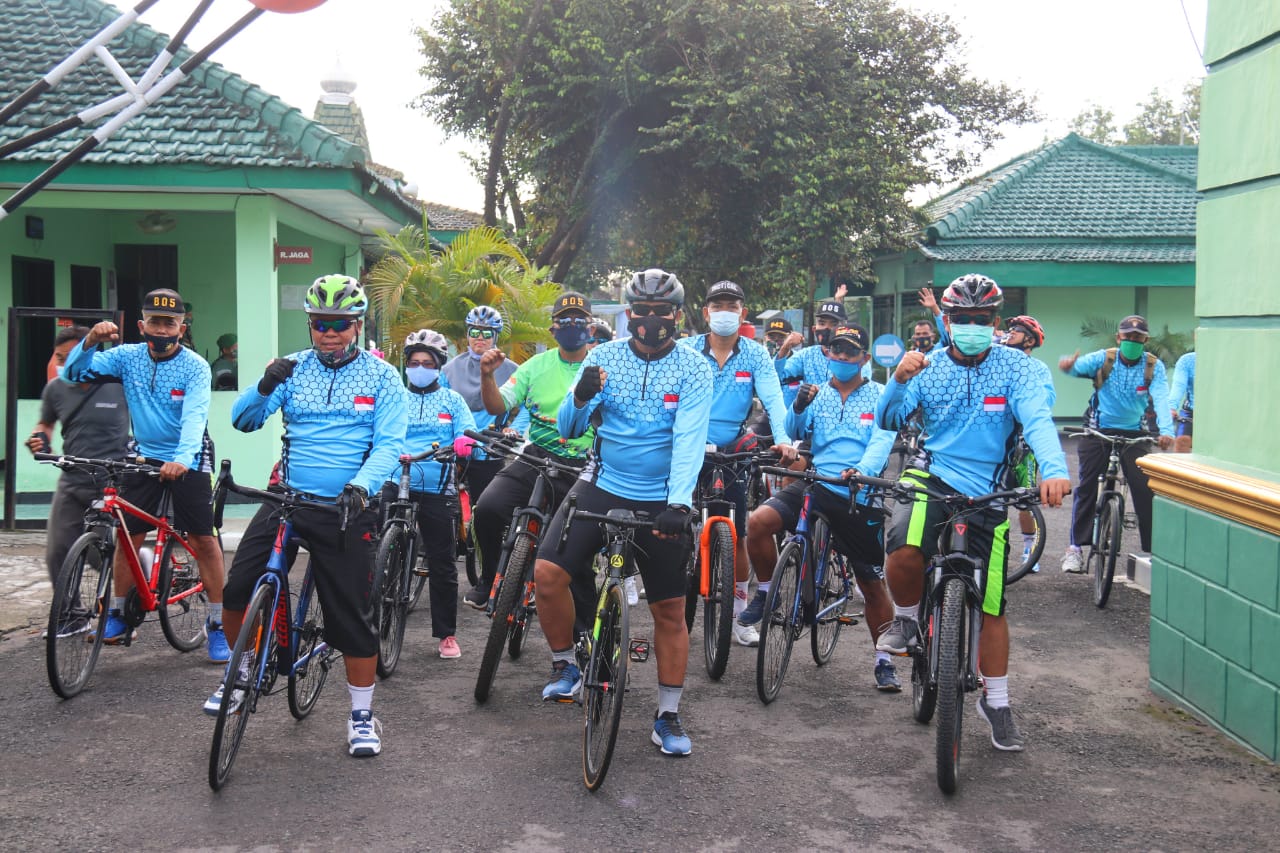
<point x="1110" y="52"/>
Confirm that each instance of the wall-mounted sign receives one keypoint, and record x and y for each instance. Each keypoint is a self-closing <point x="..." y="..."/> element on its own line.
<point x="292" y="254"/>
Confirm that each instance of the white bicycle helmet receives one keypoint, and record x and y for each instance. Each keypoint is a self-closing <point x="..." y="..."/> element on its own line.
<point x="430" y="341"/>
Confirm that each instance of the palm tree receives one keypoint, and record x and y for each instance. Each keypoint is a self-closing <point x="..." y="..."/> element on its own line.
<point x="419" y="286"/>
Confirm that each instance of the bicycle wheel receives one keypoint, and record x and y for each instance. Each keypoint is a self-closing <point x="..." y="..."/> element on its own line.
<point x="1102" y="557"/>
<point x="78" y="614"/>
<point x="417" y="583"/>
<point x="253" y="647"/>
<point x="603" y="687"/>
<point x="1037" y="548"/>
<point x="183" y="604"/>
<point x="717" y="608"/>
<point x="924" y="689"/>
<point x="502" y="621"/>
<point x="306" y="680"/>
<point x="951" y="667"/>
<point x="829" y="593"/>
<point x="693" y="578"/>
<point x="781" y="610"/>
<point x="524" y="607"/>
<point x="389" y="567"/>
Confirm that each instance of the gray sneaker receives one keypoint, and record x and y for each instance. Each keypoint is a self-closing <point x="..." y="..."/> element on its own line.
<point x="899" y="634"/>
<point x="1005" y="734"/>
<point x="1073" y="562"/>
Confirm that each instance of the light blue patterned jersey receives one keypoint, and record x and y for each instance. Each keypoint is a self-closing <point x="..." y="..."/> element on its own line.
<point x="748" y="372"/>
<point x="1183" y="389"/>
<point x="842" y="432"/>
<point x="168" y="400"/>
<point x="340" y="426"/>
<point x="436" y="418"/>
<point x="970" y="413"/>
<point x="1123" y="399"/>
<point x="810" y="363"/>
<point x="651" y="417"/>
<point x="790" y="384"/>
<point x="1046" y="378"/>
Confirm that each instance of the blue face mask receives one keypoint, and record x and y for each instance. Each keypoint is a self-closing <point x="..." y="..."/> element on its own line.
<point x="843" y="371"/>
<point x="572" y="338"/>
<point x="421" y="377"/>
<point x="724" y="323"/>
<point x="970" y="338"/>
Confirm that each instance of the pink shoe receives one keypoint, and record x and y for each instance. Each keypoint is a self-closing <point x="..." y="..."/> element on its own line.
<point x="449" y="648"/>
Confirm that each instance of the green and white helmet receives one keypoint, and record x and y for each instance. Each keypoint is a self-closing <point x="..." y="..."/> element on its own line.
<point x="336" y="294"/>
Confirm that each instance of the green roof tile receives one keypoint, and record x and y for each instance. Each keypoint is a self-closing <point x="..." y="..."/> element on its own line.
<point x="214" y="118"/>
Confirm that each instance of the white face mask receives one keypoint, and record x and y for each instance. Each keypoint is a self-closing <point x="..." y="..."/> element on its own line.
<point x="724" y="323"/>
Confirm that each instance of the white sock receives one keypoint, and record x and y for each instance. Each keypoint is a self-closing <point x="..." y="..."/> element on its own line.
<point x="881" y="656"/>
<point x="117" y="602"/>
<point x="1028" y="541"/>
<point x="739" y="597"/>
<point x="361" y="697"/>
<point x="566" y="655"/>
<point x="997" y="690"/>
<point x="905" y="612"/>
<point x="215" y="612"/>
<point x="669" y="698"/>
<point x="762" y="588"/>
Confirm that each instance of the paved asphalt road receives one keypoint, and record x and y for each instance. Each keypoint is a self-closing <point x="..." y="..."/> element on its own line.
<point x="832" y="764"/>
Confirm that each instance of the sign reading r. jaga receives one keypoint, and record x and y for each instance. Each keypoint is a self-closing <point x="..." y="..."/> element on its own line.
<point x="292" y="254"/>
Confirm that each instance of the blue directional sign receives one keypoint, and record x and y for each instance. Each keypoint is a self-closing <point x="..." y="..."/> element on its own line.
<point x="888" y="350"/>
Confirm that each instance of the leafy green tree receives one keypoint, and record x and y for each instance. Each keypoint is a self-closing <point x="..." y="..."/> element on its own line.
<point x="770" y="141"/>
<point x="1097" y="125"/>
<point x="417" y="286"/>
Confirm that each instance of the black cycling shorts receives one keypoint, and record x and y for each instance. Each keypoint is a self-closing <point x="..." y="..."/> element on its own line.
<point x="191" y="494"/>
<point x="859" y="536"/>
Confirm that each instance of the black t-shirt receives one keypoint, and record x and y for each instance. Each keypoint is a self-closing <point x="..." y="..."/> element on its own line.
<point x="99" y="430"/>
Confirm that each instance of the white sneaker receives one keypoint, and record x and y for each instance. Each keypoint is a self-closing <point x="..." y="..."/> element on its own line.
<point x="745" y="635"/>
<point x="363" y="730"/>
<point x="1073" y="561"/>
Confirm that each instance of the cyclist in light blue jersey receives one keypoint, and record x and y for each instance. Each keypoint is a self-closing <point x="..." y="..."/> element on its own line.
<point x="838" y="420"/>
<point x="810" y="363"/>
<point x="1182" y="400"/>
<point x="167" y="388"/>
<point x="742" y="370"/>
<point x="972" y="397"/>
<point x="1026" y="334"/>
<point x="650" y="402"/>
<point x="776" y="333"/>
<point x="345" y="414"/>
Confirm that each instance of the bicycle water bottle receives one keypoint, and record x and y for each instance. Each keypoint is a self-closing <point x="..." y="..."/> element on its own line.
<point x="633" y="594"/>
<point x="146" y="556"/>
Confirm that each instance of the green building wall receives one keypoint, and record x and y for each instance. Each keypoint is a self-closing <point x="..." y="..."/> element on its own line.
<point x="1215" y="604"/>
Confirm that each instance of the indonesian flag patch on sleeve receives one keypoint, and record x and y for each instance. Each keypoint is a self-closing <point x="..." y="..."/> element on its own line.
<point x="994" y="404"/>
<point x="363" y="404"/>
<point x="670" y="402"/>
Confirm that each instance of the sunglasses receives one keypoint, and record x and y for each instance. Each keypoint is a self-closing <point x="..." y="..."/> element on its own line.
<point x="846" y="349"/>
<point x="664" y="309"/>
<point x="601" y="340"/>
<point x="972" y="319"/>
<point x="480" y="333"/>
<point x="339" y="325"/>
<point x="567" y="322"/>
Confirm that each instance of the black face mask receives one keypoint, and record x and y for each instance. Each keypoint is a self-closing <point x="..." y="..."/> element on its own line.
<point x="822" y="337"/>
<point x="161" y="344"/>
<point x="923" y="344"/>
<point x="652" y="331"/>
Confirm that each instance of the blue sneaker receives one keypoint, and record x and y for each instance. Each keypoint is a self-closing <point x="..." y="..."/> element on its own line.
<point x="755" y="610"/>
<point x="363" y="738"/>
<point x="887" y="677"/>
<point x="566" y="681"/>
<point x="115" y="630"/>
<point x="669" y="734"/>
<point x="1026" y="552"/>
<point x="219" y="651"/>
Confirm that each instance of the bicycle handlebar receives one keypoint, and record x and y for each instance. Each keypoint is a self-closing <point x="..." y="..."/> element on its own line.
<point x="114" y="466"/>
<point x="225" y="483"/>
<point x="1108" y="437"/>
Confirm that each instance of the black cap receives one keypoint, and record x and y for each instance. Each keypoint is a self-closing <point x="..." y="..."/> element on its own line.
<point x="831" y="309"/>
<point x="778" y="324"/>
<point x="571" y="300"/>
<point x="227" y="341"/>
<point x="1134" y="323"/>
<point x="165" y="302"/>
<point x="854" y="334"/>
<point x="726" y="288"/>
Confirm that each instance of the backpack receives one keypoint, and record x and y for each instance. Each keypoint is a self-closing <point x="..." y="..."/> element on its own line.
<point x="1100" y="378"/>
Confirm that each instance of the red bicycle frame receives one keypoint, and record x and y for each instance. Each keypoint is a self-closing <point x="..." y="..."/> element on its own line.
<point x="117" y="507"/>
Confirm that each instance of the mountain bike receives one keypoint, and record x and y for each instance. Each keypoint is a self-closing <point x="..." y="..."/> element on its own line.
<point x="907" y="446"/>
<point x="810" y="587"/>
<point x="711" y="564"/>
<point x="944" y="660"/>
<point x="82" y="593"/>
<point x="604" y="679"/>
<point x="1109" y="517"/>
<point x="281" y="635"/>
<point x="511" y="598"/>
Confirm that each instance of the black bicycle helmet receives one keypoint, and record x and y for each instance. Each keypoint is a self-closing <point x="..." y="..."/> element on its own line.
<point x="655" y="285"/>
<point x="972" y="291"/>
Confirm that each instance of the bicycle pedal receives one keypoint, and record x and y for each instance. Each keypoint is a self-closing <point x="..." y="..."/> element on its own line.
<point x="421" y="571"/>
<point x="849" y="618"/>
<point x="639" y="649"/>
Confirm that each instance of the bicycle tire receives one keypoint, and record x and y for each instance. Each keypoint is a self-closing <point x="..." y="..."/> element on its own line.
<point x="468" y="544"/>
<point x="254" y="642"/>
<point x="693" y="578"/>
<point x="1037" y="548"/>
<point x="951" y="666"/>
<point x="1102" y="557"/>
<point x="306" y="681"/>
<point x="183" y="604"/>
<point x="834" y="587"/>
<point x="778" y="623"/>
<point x="84" y="583"/>
<point x="520" y="622"/>
<point x="717" y="607"/>
<point x="924" y="689"/>
<point x="500" y="623"/>
<point x="389" y="567"/>
<point x="417" y="583"/>
<point x="604" y="686"/>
